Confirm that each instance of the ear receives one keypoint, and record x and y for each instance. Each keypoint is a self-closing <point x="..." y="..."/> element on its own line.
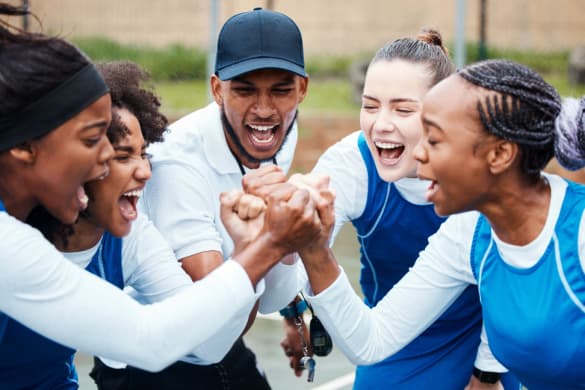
<point x="502" y="156"/>
<point x="303" y="87"/>
<point x="24" y="153"/>
<point x="215" y="84"/>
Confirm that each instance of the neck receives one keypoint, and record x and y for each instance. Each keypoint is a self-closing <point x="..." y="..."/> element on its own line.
<point x="14" y="193"/>
<point x="86" y="235"/>
<point x="519" y="212"/>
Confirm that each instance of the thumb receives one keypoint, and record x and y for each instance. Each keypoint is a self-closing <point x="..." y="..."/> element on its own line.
<point x="228" y="203"/>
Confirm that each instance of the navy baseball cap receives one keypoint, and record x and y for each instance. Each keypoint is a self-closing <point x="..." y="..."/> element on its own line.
<point x="259" y="39"/>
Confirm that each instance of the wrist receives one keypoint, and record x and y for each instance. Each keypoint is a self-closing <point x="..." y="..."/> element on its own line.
<point x="294" y="309"/>
<point x="322" y="269"/>
<point x="258" y="257"/>
<point x="486" y="376"/>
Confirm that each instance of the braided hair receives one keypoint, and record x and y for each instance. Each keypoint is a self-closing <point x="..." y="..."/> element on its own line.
<point x="427" y="48"/>
<point x="528" y="111"/>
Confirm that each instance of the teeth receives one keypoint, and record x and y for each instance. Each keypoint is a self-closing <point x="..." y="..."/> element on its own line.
<point x="264" y="141"/>
<point x="135" y="193"/>
<point x="262" y="128"/>
<point x="387" y="145"/>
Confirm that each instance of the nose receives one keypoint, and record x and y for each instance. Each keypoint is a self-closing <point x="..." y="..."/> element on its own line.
<point x="384" y="121"/>
<point x="264" y="106"/>
<point x="143" y="171"/>
<point x="419" y="152"/>
<point x="106" y="151"/>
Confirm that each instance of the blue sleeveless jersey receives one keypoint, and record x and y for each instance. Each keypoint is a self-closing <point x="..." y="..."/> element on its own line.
<point x="29" y="360"/>
<point x="391" y="233"/>
<point x="535" y="317"/>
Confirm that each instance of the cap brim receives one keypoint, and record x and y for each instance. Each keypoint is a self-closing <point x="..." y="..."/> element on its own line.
<point x="229" y="72"/>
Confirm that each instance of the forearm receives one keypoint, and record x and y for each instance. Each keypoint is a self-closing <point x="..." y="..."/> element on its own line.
<point x="321" y="267"/>
<point x="150" y="337"/>
<point x="372" y="334"/>
<point x="258" y="257"/>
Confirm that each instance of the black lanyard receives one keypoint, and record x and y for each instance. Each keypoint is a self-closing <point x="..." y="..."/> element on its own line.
<point x="241" y="166"/>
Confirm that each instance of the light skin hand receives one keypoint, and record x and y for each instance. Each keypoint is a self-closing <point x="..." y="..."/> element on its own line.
<point x="319" y="261"/>
<point x="475" y="384"/>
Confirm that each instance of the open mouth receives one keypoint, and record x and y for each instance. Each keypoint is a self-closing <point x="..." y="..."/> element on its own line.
<point x="82" y="198"/>
<point x="389" y="152"/>
<point x="127" y="204"/>
<point x="262" y="136"/>
<point x="432" y="190"/>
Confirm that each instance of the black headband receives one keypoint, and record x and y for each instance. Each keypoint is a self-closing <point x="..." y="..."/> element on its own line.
<point x="53" y="109"/>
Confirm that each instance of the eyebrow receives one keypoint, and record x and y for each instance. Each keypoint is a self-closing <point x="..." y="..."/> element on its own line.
<point x="128" y="148"/>
<point x="91" y="125"/>
<point x="428" y="122"/>
<point x="124" y="148"/>
<point x="395" y="100"/>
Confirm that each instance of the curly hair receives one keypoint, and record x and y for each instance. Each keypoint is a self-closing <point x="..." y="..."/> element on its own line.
<point x="126" y="81"/>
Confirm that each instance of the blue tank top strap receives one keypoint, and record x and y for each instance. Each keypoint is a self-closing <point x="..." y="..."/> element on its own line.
<point x="570" y="270"/>
<point x="482" y="241"/>
<point x="107" y="261"/>
<point x="391" y="232"/>
<point x="376" y="187"/>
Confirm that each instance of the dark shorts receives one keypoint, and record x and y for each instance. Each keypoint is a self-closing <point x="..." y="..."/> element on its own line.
<point x="237" y="371"/>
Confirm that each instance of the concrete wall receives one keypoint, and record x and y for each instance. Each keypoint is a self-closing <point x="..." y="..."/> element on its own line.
<point x="328" y="26"/>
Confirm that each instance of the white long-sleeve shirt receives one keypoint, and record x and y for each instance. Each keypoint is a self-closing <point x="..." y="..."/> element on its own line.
<point x="44" y="291"/>
<point x="441" y="273"/>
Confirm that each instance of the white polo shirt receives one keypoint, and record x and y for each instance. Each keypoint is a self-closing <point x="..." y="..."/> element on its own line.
<point x="189" y="170"/>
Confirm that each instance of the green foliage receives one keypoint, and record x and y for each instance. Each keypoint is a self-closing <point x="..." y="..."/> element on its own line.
<point x="181" y="77"/>
<point x="328" y="66"/>
<point x="173" y="62"/>
<point x="543" y="62"/>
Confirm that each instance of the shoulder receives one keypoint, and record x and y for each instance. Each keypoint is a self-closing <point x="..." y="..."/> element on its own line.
<point x="343" y="154"/>
<point x="185" y="138"/>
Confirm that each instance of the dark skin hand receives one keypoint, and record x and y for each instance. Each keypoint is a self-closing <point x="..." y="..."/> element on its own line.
<point x="290" y="222"/>
<point x="261" y="182"/>
<point x="292" y="344"/>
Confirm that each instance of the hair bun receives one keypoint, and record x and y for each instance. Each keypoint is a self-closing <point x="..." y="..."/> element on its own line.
<point x="570" y="134"/>
<point x="432" y="37"/>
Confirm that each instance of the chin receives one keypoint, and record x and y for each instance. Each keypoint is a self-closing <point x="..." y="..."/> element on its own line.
<point x="391" y="174"/>
<point x="120" y="231"/>
<point x="68" y="217"/>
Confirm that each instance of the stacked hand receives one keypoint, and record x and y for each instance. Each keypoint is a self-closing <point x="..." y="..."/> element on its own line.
<point x="296" y="215"/>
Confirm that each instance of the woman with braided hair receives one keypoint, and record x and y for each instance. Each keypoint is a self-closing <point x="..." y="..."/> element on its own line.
<point x="514" y="231"/>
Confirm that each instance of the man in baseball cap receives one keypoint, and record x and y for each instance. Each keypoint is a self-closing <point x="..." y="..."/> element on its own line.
<point x="258" y="83"/>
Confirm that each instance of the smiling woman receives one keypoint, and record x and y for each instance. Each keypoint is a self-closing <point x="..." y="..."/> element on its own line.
<point x="489" y="130"/>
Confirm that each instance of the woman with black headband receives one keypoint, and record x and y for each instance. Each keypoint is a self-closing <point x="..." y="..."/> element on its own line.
<point x="54" y="111"/>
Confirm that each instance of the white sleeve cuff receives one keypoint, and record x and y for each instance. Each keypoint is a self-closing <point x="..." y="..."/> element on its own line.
<point x="485" y="360"/>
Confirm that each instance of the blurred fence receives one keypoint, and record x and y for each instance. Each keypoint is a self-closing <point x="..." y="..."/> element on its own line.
<point x="328" y="26"/>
